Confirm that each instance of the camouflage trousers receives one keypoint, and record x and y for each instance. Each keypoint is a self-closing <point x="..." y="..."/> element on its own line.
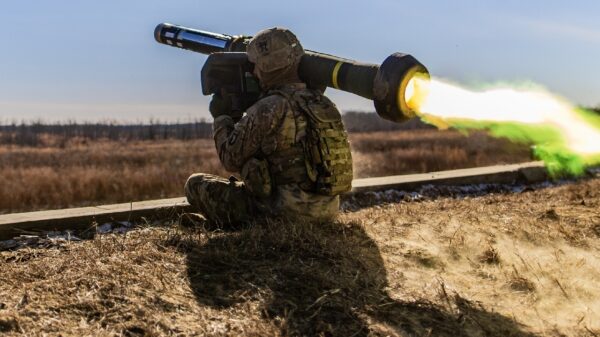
<point x="225" y="201"/>
<point x="220" y="200"/>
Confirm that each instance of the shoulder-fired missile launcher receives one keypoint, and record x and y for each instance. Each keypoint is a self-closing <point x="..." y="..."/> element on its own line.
<point x="227" y="69"/>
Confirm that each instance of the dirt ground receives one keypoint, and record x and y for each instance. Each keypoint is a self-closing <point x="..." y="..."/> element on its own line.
<point x="507" y="264"/>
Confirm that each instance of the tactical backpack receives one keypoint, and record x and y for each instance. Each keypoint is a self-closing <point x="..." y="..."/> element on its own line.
<point x="327" y="155"/>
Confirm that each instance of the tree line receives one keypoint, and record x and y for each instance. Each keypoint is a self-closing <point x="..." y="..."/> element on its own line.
<point x="36" y="133"/>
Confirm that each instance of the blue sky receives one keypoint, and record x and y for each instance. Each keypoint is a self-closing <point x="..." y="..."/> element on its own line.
<point x="97" y="60"/>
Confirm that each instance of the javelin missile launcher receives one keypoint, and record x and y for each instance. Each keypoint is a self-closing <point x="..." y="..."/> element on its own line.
<point x="227" y="70"/>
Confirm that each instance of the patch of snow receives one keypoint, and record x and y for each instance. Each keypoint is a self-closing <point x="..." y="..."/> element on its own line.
<point x="104" y="228"/>
<point x="8" y="244"/>
<point x="431" y="191"/>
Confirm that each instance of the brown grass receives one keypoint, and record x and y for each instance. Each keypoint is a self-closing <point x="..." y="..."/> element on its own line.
<point x="416" y="151"/>
<point x="401" y="269"/>
<point x="84" y="173"/>
<point x="103" y="172"/>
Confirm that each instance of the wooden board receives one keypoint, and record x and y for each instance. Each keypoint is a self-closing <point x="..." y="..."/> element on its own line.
<point x="85" y="217"/>
<point x="531" y="172"/>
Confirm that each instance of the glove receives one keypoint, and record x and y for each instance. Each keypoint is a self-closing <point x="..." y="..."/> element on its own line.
<point x="219" y="106"/>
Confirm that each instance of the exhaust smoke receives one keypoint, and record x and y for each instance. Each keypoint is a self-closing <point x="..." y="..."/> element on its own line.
<point x="565" y="137"/>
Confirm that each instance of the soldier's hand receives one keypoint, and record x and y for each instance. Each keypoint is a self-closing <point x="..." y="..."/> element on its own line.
<point x="219" y="106"/>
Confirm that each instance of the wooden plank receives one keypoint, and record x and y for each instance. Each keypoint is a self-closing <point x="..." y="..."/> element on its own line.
<point x="500" y="174"/>
<point x="84" y="217"/>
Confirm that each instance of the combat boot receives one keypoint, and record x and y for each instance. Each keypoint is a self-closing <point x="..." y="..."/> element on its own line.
<point x="193" y="221"/>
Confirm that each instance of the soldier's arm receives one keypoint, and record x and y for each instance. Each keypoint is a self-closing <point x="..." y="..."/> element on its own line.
<point x="238" y="142"/>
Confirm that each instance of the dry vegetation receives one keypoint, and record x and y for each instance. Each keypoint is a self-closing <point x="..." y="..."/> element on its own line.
<point x="99" y="172"/>
<point x="78" y="172"/>
<point x="523" y="264"/>
<point x="388" y="153"/>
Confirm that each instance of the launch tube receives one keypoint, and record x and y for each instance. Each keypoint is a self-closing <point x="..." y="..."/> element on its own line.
<point x="385" y="84"/>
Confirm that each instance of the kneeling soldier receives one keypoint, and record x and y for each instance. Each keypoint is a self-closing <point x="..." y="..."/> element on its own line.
<point x="290" y="148"/>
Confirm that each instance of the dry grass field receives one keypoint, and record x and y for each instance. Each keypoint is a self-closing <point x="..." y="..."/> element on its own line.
<point x="81" y="172"/>
<point x="521" y="264"/>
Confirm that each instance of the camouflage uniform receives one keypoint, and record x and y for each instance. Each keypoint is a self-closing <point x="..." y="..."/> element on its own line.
<point x="264" y="146"/>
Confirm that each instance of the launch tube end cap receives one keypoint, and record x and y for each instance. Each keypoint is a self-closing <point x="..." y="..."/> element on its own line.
<point x="390" y="86"/>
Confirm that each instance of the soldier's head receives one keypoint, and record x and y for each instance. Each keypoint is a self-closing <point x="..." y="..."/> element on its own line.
<point x="276" y="54"/>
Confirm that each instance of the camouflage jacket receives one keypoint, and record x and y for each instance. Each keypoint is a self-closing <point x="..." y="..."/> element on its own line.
<point x="268" y="125"/>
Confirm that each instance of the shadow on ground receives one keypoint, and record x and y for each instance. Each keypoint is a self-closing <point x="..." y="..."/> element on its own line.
<point x="326" y="279"/>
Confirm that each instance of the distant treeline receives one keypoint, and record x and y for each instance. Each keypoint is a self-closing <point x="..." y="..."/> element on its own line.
<point x="38" y="133"/>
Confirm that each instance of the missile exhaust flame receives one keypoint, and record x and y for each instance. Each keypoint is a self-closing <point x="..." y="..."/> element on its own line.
<point x="565" y="137"/>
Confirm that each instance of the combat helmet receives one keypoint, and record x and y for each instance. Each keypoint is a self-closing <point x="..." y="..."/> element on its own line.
<point x="274" y="49"/>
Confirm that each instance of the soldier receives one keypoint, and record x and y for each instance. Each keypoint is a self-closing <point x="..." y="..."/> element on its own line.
<point x="290" y="148"/>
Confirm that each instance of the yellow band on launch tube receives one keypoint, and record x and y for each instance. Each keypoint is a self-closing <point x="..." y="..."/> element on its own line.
<point x="334" y="74"/>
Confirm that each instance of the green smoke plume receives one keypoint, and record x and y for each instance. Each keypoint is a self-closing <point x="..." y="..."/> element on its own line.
<point x="547" y="141"/>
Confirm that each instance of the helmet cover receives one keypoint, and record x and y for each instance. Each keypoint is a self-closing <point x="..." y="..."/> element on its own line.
<point x="274" y="49"/>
